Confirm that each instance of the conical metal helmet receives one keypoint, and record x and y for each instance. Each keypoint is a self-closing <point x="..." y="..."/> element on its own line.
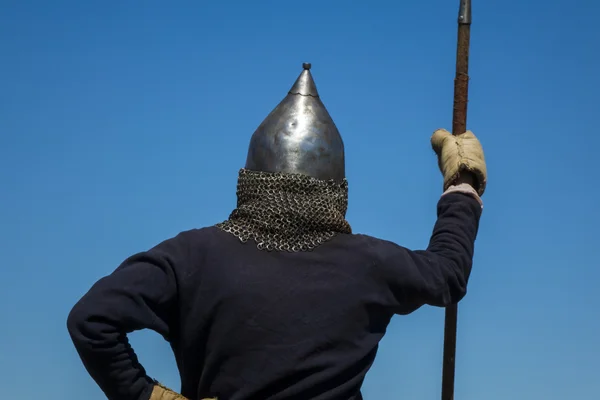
<point x="299" y="136"/>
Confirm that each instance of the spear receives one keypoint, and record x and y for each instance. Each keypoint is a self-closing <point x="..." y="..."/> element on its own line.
<point x="459" y="126"/>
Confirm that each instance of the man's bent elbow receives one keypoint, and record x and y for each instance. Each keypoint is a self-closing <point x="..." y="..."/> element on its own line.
<point x="76" y="321"/>
<point x="456" y="281"/>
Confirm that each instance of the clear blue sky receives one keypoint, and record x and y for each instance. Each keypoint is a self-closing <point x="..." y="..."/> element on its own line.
<point x="124" y="123"/>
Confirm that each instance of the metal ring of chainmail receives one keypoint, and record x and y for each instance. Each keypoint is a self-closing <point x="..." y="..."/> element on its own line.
<point x="287" y="212"/>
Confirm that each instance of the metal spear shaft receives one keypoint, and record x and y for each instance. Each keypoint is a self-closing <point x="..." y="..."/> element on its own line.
<point x="459" y="126"/>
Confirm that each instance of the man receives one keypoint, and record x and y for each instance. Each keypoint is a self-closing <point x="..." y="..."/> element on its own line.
<point x="280" y="301"/>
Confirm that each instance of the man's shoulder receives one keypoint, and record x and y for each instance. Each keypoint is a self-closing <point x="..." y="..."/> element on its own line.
<point x="186" y="239"/>
<point x="368" y="239"/>
<point x="197" y="236"/>
<point x="190" y="245"/>
<point x="196" y="233"/>
<point x="370" y="245"/>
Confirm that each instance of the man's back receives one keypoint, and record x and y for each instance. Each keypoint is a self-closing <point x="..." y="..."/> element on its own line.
<point x="280" y="325"/>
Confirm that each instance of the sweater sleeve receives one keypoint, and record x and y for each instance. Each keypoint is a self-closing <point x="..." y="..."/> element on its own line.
<point x="438" y="275"/>
<point x="140" y="294"/>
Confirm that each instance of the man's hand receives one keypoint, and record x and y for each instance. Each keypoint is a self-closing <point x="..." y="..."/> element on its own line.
<point x="161" y="392"/>
<point x="460" y="159"/>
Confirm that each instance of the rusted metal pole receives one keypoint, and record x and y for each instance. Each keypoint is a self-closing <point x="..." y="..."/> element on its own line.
<point x="459" y="126"/>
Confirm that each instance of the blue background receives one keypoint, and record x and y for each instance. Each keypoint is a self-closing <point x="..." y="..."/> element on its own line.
<point x="124" y="123"/>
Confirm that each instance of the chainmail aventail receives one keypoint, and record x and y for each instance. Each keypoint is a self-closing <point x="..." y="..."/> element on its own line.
<point x="287" y="212"/>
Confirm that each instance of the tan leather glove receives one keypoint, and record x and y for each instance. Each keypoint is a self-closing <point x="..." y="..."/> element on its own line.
<point x="458" y="154"/>
<point x="161" y="392"/>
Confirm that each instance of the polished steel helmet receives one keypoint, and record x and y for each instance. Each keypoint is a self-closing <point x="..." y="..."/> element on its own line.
<point x="299" y="136"/>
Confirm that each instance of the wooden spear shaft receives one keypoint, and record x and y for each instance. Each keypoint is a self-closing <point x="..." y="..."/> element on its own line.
<point x="459" y="126"/>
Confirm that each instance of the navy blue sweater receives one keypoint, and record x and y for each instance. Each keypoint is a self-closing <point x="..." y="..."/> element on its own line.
<point x="246" y="324"/>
